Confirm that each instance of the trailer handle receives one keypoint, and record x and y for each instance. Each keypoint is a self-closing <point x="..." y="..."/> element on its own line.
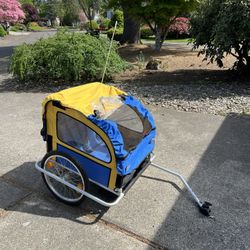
<point x="203" y="206"/>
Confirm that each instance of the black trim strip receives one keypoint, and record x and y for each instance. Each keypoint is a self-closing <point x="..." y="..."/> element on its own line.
<point x="43" y="131"/>
<point x="49" y="143"/>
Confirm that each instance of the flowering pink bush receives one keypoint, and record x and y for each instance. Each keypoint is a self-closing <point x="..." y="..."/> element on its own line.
<point x="180" y="27"/>
<point x="10" y="11"/>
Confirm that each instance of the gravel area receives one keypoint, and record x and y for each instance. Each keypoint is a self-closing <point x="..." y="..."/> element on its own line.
<point x="218" y="99"/>
<point x="186" y="83"/>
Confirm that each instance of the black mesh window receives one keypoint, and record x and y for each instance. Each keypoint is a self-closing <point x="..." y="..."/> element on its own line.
<point x="126" y="117"/>
<point x="78" y="135"/>
<point x="132" y="126"/>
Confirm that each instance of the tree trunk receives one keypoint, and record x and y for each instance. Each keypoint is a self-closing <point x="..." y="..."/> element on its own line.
<point x="160" y="36"/>
<point x="245" y="53"/>
<point x="158" y="39"/>
<point x="248" y="62"/>
<point x="131" y="32"/>
<point x="246" y="65"/>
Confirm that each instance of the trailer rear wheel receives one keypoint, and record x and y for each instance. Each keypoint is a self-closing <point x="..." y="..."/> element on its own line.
<point x="69" y="172"/>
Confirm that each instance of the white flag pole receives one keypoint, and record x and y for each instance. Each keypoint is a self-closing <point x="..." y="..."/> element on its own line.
<point x="110" y="47"/>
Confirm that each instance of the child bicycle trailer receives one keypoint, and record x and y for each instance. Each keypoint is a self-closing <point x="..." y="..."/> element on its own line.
<point x="97" y="135"/>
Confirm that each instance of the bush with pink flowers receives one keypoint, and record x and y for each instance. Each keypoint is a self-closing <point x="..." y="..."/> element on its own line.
<point x="10" y="11"/>
<point x="179" y="28"/>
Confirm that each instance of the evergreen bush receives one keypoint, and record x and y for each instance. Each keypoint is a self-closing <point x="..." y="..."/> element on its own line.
<point x="66" y="56"/>
<point x="2" y="31"/>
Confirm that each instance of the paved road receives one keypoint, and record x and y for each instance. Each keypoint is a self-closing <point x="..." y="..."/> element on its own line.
<point x="212" y="152"/>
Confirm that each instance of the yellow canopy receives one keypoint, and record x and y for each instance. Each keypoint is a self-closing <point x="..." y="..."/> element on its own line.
<point x="81" y="98"/>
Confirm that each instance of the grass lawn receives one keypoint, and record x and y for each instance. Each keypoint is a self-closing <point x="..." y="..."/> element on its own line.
<point x="37" y="28"/>
<point x="151" y="39"/>
<point x="187" y="40"/>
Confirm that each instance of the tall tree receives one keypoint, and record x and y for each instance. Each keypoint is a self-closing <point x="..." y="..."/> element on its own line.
<point x="52" y="9"/>
<point x="131" y="30"/>
<point x="72" y="11"/>
<point x="131" y="23"/>
<point x="160" y="14"/>
<point x="90" y="7"/>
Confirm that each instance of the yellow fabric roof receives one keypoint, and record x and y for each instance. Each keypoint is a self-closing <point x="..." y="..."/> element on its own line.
<point x="81" y="98"/>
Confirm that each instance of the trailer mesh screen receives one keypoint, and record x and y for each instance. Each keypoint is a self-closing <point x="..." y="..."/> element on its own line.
<point x="131" y="125"/>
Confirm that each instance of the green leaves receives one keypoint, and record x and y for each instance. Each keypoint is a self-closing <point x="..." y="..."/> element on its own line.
<point x="66" y="56"/>
<point x="158" y="14"/>
<point x="223" y="27"/>
<point x="2" y="31"/>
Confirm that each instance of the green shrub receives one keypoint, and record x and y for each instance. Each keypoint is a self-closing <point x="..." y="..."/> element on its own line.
<point x="220" y="28"/>
<point x="118" y="34"/>
<point x="13" y="28"/>
<point x="63" y="29"/>
<point x="104" y="23"/>
<point x="18" y="27"/>
<point x="146" y="33"/>
<point x="34" y="26"/>
<point x="2" y="31"/>
<point x="118" y="16"/>
<point x="65" y="56"/>
<point x="92" y="25"/>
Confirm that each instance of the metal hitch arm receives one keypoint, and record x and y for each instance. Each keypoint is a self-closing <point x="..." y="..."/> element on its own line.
<point x="203" y="206"/>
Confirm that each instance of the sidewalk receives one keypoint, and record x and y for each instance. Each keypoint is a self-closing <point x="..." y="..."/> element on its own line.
<point x="212" y="152"/>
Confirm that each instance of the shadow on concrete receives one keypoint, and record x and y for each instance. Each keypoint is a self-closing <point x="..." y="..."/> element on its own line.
<point x="222" y="177"/>
<point x="5" y="53"/>
<point x="23" y="190"/>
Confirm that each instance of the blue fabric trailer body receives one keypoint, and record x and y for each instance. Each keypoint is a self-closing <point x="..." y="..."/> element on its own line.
<point x="136" y="156"/>
<point x="94" y="171"/>
<point x="112" y="131"/>
<point x="128" y="161"/>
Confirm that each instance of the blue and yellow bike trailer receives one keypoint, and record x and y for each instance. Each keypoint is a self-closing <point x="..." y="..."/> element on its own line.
<point x="98" y="135"/>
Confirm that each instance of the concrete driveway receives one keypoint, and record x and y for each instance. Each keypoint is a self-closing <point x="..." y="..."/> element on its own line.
<point x="212" y="152"/>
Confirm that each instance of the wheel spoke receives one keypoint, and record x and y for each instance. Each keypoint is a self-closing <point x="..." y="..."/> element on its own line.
<point x="67" y="171"/>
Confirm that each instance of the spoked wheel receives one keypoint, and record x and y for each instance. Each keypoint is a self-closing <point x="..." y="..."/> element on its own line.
<point x="64" y="167"/>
